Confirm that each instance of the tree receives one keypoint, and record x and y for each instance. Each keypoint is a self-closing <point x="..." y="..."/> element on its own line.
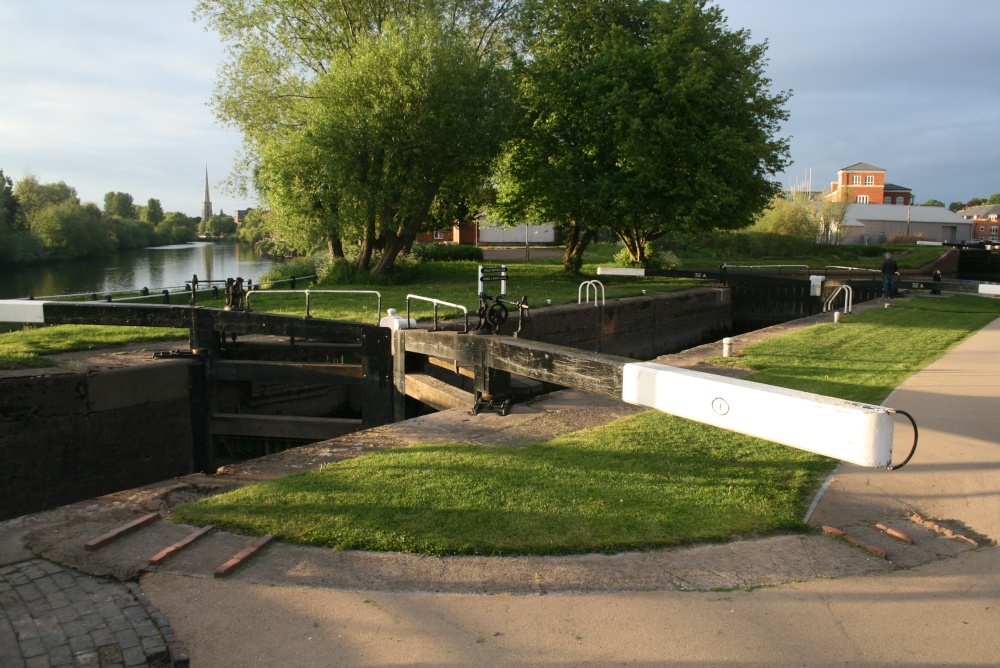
<point x="70" y="230"/>
<point x="796" y="217"/>
<point x="154" y="211"/>
<point x="296" y="64"/>
<point x="36" y="196"/>
<point x="956" y="206"/>
<point x="641" y="117"/>
<point x="11" y="214"/>
<point x="831" y="219"/>
<point x="933" y="202"/>
<point x="994" y="199"/>
<point x="119" y="204"/>
<point x="413" y="114"/>
<point x="975" y="201"/>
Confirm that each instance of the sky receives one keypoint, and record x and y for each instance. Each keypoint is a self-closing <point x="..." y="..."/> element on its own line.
<point x="113" y="95"/>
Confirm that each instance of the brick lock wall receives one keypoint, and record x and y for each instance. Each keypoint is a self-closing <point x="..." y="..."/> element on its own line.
<point x="69" y="437"/>
<point x="637" y="327"/>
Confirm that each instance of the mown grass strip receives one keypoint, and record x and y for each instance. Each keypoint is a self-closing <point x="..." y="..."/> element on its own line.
<point x="647" y="481"/>
<point x="30" y="347"/>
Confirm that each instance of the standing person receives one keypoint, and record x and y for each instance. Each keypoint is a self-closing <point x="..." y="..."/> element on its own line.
<point x="889" y="269"/>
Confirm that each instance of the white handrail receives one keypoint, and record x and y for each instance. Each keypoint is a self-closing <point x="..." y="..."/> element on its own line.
<point x="436" y="302"/>
<point x="591" y="283"/>
<point x="848" y="298"/>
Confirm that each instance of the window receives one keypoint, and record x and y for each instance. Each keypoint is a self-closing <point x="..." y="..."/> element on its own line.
<point x="982" y="228"/>
<point x="993" y="231"/>
<point x="855" y="180"/>
<point x="438" y="235"/>
<point x="992" y="216"/>
<point x="869" y="180"/>
<point x="862" y="199"/>
<point x="886" y="200"/>
<point x="899" y="200"/>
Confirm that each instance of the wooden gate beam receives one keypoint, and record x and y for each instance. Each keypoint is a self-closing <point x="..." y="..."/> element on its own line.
<point x="846" y="430"/>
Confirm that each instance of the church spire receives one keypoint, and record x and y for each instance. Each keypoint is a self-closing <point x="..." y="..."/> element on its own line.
<point x="206" y="207"/>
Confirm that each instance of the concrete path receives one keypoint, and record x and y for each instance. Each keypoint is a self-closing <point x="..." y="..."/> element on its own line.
<point x="791" y="600"/>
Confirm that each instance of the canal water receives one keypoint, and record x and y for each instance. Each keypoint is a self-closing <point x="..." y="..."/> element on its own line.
<point x="156" y="268"/>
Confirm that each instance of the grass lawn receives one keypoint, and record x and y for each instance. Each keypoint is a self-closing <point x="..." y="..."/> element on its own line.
<point x="29" y="347"/>
<point x="647" y="481"/>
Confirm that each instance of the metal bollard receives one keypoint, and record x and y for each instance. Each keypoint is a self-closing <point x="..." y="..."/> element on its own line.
<point x="166" y="296"/>
<point x="144" y="292"/>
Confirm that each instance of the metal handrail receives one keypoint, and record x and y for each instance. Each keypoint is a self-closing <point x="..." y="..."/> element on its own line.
<point x="309" y="293"/>
<point x="779" y="267"/>
<point x="848" y="298"/>
<point x="436" y="302"/>
<point x="852" y="269"/>
<point x="594" y="283"/>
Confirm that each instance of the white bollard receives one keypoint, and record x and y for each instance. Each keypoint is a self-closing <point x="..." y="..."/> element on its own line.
<point x="727" y="347"/>
<point x="836" y="316"/>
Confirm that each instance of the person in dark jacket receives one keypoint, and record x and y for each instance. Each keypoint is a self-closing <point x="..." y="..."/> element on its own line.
<point x="889" y="270"/>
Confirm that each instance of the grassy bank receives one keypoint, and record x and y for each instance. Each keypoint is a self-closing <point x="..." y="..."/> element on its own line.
<point x="648" y="481"/>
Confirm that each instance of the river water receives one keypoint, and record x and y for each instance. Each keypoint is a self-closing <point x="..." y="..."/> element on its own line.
<point x="156" y="268"/>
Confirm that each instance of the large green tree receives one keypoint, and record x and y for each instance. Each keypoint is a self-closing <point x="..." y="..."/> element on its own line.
<point x="119" y="204"/>
<point x="641" y="117"/>
<point x="154" y="211"/>
<point x="295" y="66"/>
<point x="70" y="230"/>
<point x="36" y="196"/>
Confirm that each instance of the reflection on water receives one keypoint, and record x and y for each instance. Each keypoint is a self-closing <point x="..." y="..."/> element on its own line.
<point x="157" y="268"/>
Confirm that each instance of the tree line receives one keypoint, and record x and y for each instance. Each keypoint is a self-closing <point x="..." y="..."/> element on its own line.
<point x="365" y="123"/>
<point x="47" y="221"/>
<point x="975" y="201"/>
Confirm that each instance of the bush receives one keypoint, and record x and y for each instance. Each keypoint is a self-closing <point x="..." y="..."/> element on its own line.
<point x="655" y="259"/>
<point x="446" y="253"/>
<point x="285" y="271"/>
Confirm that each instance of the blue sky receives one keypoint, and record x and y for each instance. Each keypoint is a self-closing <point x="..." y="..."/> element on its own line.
<point x="112" y="95"/>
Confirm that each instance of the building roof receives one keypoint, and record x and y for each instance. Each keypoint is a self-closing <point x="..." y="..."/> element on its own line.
<point x="862" y="167"/>
<point x="898" y="214"/>
<point x="892" y="187"/>
<point x="984" y="211"/>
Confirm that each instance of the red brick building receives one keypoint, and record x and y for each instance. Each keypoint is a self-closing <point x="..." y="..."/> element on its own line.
<point x="865" y="184"/>
<point x="985" y="221"/>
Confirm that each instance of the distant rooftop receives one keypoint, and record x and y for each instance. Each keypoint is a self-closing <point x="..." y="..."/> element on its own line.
<point x="862" y="167"/>
<point x="894" y="188"/>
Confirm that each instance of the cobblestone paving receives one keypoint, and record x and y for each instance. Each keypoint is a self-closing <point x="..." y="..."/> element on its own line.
<point x="51" y="616"/>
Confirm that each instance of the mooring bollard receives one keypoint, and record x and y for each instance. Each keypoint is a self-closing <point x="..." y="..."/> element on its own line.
<point x="166" y="296"/>
<point x="836" y="316"/>
<point x="144" y="292"/>
<point x="727" y="347"/>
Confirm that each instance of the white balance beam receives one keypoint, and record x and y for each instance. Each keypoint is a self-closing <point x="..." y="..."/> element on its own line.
<point x="22" y="310"/>
<point x="850" y="431"/>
